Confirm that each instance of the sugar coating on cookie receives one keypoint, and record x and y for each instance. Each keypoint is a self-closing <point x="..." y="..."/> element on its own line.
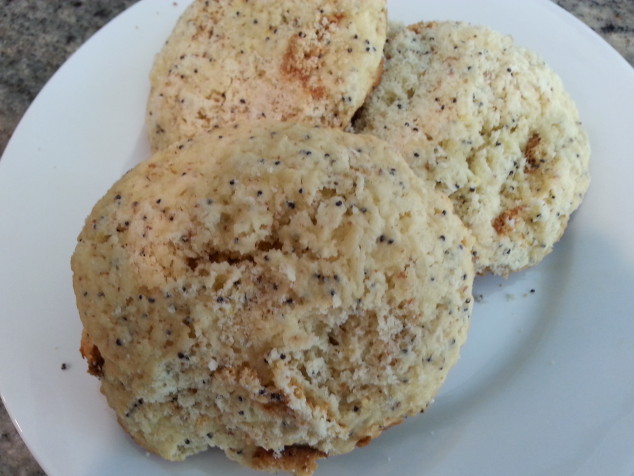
<point x="491" y="125"/>
<point x="280" y="291"/>
<point x="312" y="62"/>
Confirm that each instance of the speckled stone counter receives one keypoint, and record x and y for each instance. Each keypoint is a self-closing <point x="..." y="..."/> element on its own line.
<point x="37" y="36"/>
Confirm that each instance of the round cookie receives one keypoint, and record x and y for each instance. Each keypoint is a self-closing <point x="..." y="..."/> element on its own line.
<point x="312" y="62"/>
<point x="490" y="124"/>
<point x="280" y="291"/>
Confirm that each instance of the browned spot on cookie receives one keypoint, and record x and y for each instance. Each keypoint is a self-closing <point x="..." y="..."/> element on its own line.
<point x="422" y="28"/>
<point x="304" y="55"/>
<point x="365" y="441"/>
<point x="532" y="153"/>
<point x="334" y="19"/>
<point x="300" y="61"/>
<point x="394" y="423"/>
<point x="318" y="92"/>
<point x="506" y="221"/>
<point x="277" y="404"/>
<point x="298" y="459"/>
<point x="91" y="353"/>
<point x="203" y="30"/>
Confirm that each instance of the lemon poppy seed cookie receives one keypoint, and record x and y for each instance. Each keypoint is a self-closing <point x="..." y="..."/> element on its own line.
<point x="312" y="61"/>
<point x="491" y="125"/>
<point x="280" y="291"/>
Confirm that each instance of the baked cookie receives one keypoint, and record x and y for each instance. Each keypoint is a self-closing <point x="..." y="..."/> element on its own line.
<point x="313" y="61"/>
<point x="491" y="125"/>
<point x="280" y="291"/>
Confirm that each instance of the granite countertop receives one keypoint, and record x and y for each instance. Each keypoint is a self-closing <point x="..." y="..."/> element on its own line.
<point x="36" y="37"/>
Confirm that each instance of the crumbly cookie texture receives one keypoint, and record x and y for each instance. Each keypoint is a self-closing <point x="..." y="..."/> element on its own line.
<point x="490" y="125"/>
<point x="280" y="291"/>
<point x="313" y="61"/>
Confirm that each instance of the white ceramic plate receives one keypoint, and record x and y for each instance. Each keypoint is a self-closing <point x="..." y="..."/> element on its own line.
<point x="546" y="381"/>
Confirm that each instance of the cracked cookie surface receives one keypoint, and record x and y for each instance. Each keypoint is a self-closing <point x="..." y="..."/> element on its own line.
<point x="312" y="62"/>
<point x="489" y="124"/>
<point x="282" y="292"/>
